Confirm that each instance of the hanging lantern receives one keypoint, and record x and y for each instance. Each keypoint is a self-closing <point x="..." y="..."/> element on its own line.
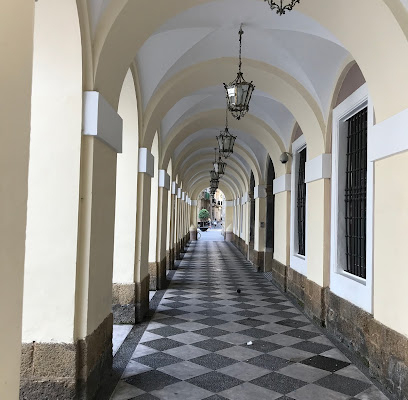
<point x="214" y="184"/>
<point x="282" y="5"/>
<point x="239" y="91"/>
<point x="219" y="166"/>
<point x="214" y="175"/>
<point x="225" y="140"/>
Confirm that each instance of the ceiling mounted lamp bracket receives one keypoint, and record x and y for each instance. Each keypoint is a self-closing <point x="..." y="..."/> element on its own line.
<point x="239" y="91"/>
<point x="282" y="6"/>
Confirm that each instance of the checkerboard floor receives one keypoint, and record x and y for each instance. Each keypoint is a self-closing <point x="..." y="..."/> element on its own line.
<point x="208" y="341"/>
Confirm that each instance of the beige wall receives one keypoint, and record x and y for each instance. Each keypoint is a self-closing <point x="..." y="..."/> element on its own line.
<point x="54" y="174"/>
<point x="390" y="242"/>
<point x="142" y="226"/>
<point x="318" y="231"/>
<point x="16" y="23"/>
<point x="260" y="216"/>
<point x="282" y="212"/>
<point x="102" y="235"/>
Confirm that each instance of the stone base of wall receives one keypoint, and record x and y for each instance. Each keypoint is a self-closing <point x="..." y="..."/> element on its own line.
<point x="381" y="349"/>
<point x="67" y="371"/>
<point x="177" y="252"/>
<point x="279" y="274"/>
<point x="130" y="302"/>
<point x="193" y="235"/>
<point x="308" y="294"/>
<point x="142" y="299"/>
<point x="268" y="261"/>
<point x="229" y="236"/>
<point x="241" y="245"/>
<point x="257" y="258"/>
<point x="157" y="273"/>
<point x="123" y="303"/>
<point x="170" y="259"/>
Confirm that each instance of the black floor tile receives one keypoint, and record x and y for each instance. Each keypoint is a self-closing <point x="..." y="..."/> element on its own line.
<point x="279" y="383"/>
<point x="157" y="360"/>
<point x="210" y="321"/>
<point x="311" y="347"/>
<point x="213" y="345"/>
<point x="326" y="363"/>
<point x="342" y="384"/>
<point x="151" y="380"/>
<point x="300" y="334"/>
<point x="162" y="344"/>
<point x="215" y="382"/>
<point x="166" y="331"/>
<point x="213" y="361"/>
<point x="211" y="332"/>
<point x="292" y="323"/>
<point x="268" y="361"/>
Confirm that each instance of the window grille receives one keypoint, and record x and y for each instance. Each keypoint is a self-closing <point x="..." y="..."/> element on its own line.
<point x="356" y="194"/>
<point x="301" y="203"/>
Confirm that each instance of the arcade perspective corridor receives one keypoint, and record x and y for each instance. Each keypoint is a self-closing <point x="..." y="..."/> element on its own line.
<point x="267" y="137"/>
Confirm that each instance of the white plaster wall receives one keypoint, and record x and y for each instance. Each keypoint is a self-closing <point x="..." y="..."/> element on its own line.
<point x="126" y="187"/>
<point x="54" y="171"/>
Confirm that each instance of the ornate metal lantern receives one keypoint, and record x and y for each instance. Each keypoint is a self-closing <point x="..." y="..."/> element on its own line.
<point x="214" y="175"/>
<point x="226" y="141"/>
<point x="239" y="91"/>
<point x="282" y="6"/>
<point x="219" y="166"/>
<point x="214" y="184"/>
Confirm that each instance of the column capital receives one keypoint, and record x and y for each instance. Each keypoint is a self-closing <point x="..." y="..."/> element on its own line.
<point x="174" y="188"/>
<point x="101" y="120"/>
<point x="164" y="179"/>
<point x="260" y="192"/>
<point x="146" y="162"/>
<point x="282" y="184"/>
<point x="318" y="168"/>
<point x="179" y="193"/>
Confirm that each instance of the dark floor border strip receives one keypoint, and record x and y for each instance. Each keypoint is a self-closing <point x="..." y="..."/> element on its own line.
<point x="341" y="346"/>
<point x="126" y="350"/>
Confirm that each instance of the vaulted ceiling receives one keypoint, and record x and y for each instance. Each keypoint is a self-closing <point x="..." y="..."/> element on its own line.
<point x="182" y="63"/>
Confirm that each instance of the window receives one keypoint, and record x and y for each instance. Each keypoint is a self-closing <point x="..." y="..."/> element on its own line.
<point x="352" y="201"/>
<point x="298" y="207"/>
<point x="301" y="203"/>
<point x="356" y="194"/>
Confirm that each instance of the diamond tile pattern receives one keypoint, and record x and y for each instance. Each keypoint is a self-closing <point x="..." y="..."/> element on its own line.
<point x="208" y="341"/>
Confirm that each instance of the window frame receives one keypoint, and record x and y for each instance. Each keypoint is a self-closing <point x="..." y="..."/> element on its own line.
<point x="350" y="287"/>
<point x="298" y="262"/>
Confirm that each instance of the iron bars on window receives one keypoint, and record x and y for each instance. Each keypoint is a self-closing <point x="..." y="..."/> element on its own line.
<point x="301" y="203"/>
<point x="356" y="194"/>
